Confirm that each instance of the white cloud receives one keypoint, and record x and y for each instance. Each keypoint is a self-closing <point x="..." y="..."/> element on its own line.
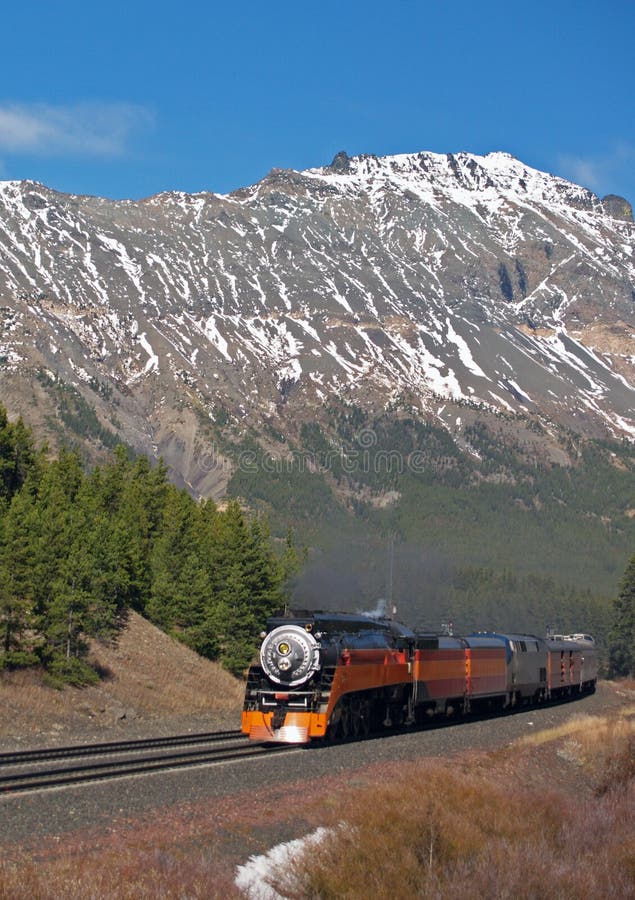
<point x="582" y="171"/>
<point x="82" y="129"/>
<point x="597" y="172"/>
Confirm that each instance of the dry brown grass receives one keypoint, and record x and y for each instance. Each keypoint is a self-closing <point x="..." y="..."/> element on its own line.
<point x="601" y="745"/>
<point x="438" y="835"/>
<point x="130" y="874"/>
<point x="437" y="831"/>
<point x="592" y="729"/>
<point x="149" y="676"/>
<point x="154" y="672"/>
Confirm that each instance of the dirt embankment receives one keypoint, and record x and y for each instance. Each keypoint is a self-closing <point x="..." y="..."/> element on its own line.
<point x="152" y="684"/>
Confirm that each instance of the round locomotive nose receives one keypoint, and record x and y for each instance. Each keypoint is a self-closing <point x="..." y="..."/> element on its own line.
<point x="289" y="655"/>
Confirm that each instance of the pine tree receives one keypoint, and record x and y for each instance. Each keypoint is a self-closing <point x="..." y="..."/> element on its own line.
<point x="17" y="454"/>
<point x="81" y="582"/>
<point x="176" y="543"/>
<point x="16" y="584"/>
<point x="109" y="481"/>
<point x="196" y="626"/>
<point x="235" y="621"/>
<point x="62" y="559"/>
<point x="106" y="578"/>
<point x="246" y="580"/>
<point x="138" y="522"/>
<point x="69" y="604"/>
<point x="52" y="526"/>
<point x="622" y="651"/>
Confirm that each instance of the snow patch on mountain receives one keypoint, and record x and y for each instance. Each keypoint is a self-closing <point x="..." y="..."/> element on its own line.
<point x="470" y="278"/>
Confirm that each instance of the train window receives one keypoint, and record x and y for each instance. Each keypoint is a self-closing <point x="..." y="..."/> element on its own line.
<point x="523" y="646"/>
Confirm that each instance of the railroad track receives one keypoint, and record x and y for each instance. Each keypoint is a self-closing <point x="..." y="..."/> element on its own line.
<point x="29" y="770"/>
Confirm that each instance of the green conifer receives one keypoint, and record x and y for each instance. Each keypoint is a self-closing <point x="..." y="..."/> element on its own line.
<point x="622" y="659"/>
<point x="17" y="619"/>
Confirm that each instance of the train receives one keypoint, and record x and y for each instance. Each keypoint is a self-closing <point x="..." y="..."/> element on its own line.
<point x="324" y="676"/>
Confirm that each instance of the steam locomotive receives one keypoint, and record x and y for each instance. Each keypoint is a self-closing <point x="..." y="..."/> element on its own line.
<point x="335" y="676"/>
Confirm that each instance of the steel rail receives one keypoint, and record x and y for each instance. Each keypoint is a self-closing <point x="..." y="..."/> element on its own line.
<point x="23" y="756"/>
<point x="58" y="777"/>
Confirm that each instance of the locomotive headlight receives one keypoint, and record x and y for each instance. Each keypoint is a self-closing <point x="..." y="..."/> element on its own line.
<point x="289" y="655"/>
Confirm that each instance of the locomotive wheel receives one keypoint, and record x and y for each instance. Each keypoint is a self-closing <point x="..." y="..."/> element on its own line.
<point x="364" y="718"/>
<point x="345" y="729"/>
<point x="340" y="725"/>
<point x="333" y="730"/>
<point x="360" y="717"/>
<point x="356" y="717"/>
<point x="353" y="717"/>
<point x="346" y="721"/>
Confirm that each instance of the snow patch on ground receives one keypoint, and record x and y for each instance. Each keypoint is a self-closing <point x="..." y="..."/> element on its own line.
<point x="252" y="877"/>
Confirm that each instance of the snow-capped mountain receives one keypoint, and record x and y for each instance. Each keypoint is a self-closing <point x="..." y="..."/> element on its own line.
<point x="443" y="279"/>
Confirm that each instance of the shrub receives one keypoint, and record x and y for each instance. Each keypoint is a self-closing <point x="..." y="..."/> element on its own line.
<point x="73" y="671"/>
<point x="18" y="659"/>
<point x="437" y="832"/>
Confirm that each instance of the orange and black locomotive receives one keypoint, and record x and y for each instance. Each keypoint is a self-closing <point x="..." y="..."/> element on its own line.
<point x="328" y="675"/>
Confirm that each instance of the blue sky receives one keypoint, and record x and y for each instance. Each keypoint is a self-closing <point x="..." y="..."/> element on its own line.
<point x="125" y="99"/>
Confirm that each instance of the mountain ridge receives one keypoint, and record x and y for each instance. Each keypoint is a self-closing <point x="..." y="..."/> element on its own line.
<point x="426" y="281"/>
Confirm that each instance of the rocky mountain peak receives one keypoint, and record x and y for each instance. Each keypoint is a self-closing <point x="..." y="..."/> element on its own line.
<point x="435" y="280"/>
<point x="341" y="162"/>
<point x="618" y="207"/>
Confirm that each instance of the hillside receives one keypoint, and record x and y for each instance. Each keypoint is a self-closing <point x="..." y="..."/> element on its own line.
<point x="151" y="684"/>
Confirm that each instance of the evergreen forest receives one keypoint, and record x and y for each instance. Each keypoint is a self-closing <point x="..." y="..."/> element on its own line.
<point x="498" y="506"/>
<point x="77" y="550"/>
<point x="488" y="531"/>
